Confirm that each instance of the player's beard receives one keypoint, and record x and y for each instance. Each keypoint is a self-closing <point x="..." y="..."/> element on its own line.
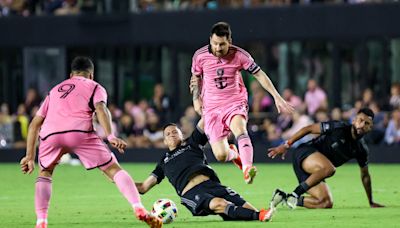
<point x="358" y="135"/>
<point x="219" y="53"/>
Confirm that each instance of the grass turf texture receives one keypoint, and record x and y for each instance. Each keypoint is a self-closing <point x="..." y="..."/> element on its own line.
<point x="87" y="199"/>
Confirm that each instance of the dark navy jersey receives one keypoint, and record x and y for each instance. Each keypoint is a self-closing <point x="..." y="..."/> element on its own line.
<point x="338" y="145"/>
<point x="186" y="160"/>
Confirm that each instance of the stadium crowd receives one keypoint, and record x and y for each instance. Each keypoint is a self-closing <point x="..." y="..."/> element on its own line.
<point x="74" y="7"/>
<point x="140" y="123"/>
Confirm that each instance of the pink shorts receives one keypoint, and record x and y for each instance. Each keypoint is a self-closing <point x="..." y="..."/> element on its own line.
<point x="91" y="150"/>
<point x="218" y="120"/>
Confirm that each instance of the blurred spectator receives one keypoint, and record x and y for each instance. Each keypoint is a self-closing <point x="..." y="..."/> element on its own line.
<point x="140" y="121"/>
<point x="392" y="134"/>
<point x="68" y="7"/>
<point x="292" y="99"/>
<point x="115" y="111"/>
<point x="32" y="100"/>
<point x="367" y="97"/>
<point x="259" y="101"/>
<point x="6" y="127"/>
<point x="271" y="135"/>
<point x="50" y="6"/>
<point x="100" y="131"/>
<point x="284" y="121"/>
<point x="14" y="7"/>
<point x="336" y="114"/>
<point x="351" y="113"/>
<point x="191" y="115"/>
<point x="127" y="130"/>
<point x="395" y="96"/>
<point x="321" y="115"/>
<point x="153" y="131"/>
<point x="21" y="122"/>
<point x="300" y="120"/>
<point x="380" y="121"/>
<point x="129" y="108"/>
<point x="315" y="97"/>
<point x="162" y="104"/>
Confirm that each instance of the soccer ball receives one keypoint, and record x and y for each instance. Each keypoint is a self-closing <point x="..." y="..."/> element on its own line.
<point x="165" y="209"/>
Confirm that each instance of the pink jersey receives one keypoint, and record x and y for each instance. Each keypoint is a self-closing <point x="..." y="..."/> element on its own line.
<point x="69" y="106"/>
<point x="222" y="81"/>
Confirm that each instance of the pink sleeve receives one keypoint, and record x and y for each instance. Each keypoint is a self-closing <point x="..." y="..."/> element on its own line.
<point x="100" y="95"/>
<point x="247" y="62"/>
<point x="43" y="107"/>
<point x="196" y="69"/>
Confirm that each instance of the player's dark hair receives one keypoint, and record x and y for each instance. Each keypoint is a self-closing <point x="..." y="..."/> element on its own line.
<point x="368" y="112"/>
<point x="169" y="124"/>
<point x="221" y="29"/>
<point x="82" y="63"/>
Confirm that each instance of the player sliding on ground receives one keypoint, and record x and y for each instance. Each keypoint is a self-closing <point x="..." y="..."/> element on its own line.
<point x="65" y="123"/>
<point x="316" y="160"/>
<point x="186" y="167"/>
<point x="221" y="96"/>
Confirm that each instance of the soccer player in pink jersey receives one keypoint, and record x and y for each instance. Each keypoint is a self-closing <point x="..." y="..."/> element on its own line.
<point x="221" y="96"/>
<point x="65" y="124"/>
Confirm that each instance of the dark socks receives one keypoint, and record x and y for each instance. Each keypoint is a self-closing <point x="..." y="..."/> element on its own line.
<point x="301" y="189"/>
<point x="240" y="213"/>
<point x="300" y="201"/>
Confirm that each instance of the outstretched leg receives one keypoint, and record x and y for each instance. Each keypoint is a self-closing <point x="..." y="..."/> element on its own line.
<point x="127" y="187"/>
<point x="234" y="212"/>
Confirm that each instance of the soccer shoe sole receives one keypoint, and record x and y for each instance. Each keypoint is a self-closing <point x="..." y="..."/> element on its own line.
<point x="251" y="174"/>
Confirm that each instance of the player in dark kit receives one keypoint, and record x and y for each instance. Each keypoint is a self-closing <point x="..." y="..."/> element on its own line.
<point x="197" y="184"/>
<point x="316" y="160"/>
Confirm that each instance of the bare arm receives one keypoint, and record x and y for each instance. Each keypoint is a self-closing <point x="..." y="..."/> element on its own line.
<point x="104" y="117"/>
<point x="146" y="185"/>
<point x="28" y="162"/>
<point x="195" y="89"/>
<point x="267" y="84"/>
<point x="282" y="149"/>
<point x="366" y="180"/>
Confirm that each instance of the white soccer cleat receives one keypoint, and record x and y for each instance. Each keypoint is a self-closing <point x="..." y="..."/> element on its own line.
<point x="291" y="201"/>
<point x="278" y="196"/>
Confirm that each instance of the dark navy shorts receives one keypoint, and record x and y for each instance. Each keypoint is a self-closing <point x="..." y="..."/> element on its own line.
<point x="197" y="199"/>
<point x="300" y="153"/>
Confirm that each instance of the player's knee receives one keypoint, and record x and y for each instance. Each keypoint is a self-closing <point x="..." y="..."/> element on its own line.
<point x="221" y="157"/>
<point x="329" y="171"/>
<point x="218" y="205"/>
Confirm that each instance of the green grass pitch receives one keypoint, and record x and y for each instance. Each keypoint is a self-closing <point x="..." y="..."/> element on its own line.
<point x="87" y="199"/>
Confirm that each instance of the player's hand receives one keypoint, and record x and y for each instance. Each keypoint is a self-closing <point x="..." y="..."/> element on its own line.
<point x="194" y="81"/>
<point x="119" y="144"/>
<point x="27" y="165"/>
<point x="273" y="152"/>
<point x="283" y="106"/>
<point x="198" y="106"/>
<point x="375" y="205"/>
